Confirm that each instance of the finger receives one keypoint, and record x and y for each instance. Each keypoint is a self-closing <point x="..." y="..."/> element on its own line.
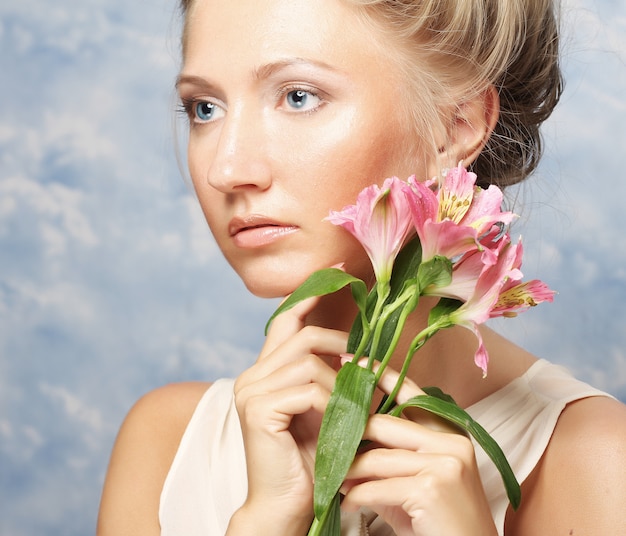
<point x="287" y="324"/>
<point x="383" y="463"/>
<point x="380" y="493"/>
<point x="309" y="342"/>
<point x="274" y="411"/>
<point x="406" y="434"/>
<point x="390" y="378"/>
<point x="386" y="463"/>
<point x="309" y="369"/>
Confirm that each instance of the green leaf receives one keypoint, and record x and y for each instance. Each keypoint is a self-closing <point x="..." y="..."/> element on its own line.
<point x="342" y="428"/>
<point x="444" y="308"/>
<point x="436" y="272"/>
<point x="405" y="267"/>
<point x="356" y="332"/>
<point x="359" y="293"/>
<point x="319" y="283"/>
<point x="387" y="334"/>
<point x="456" y="415"/>
<point x="330" y="523"/>
<point x="438" y="393"/>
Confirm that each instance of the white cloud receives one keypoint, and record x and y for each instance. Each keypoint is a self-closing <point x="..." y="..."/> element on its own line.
<point x="7" y="208"/>
<point x="73" y="407"/>
<point x="211" y="358"/>
<point x="78" y="137"/>
<point x="21" y="443"/>
<point x="33" y="435"/>
<point x="6" y="429"/>
<point x="58" y="208"/>
<point x="201" y="243"/>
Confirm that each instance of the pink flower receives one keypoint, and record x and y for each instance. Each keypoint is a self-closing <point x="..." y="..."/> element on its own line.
<point x="380" y="221"/>
<point x="467" y="269"/>
<point x="498" y="291"/>
<point x="461" y="201"/>
<point x="516" y="297"/>
<point x="451" y="220"/>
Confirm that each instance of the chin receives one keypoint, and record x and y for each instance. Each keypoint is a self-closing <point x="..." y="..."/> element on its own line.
<point x="273" y="286"/>
<point x="267" y="293"/>
<point x="276" y="277"/>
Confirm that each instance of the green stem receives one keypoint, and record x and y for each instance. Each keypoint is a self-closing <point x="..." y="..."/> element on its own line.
<point x="330" y="522"/>
<point x="402" y="300"/>
<point x="415" y="345"/>
<point x="316" y="528"/>
<point x="367" y="329"/>
<point x="394" y="341"/>
<point x="382" y="293"/>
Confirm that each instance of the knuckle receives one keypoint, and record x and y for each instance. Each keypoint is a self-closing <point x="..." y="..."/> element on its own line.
<point x="251" y="410"/>
<point x="244" y="380"/>
<point x="242" y="398"/>
<point x="316" y="391"/>
<point x="428" y="485"/>
<point x="311" y="334"/>
<point x="464" y="448"/>
<point x="309" y="364"/>
<point x="453" y="464"/>
<point x="452" y="468"/>
<point x="376" y="457"/>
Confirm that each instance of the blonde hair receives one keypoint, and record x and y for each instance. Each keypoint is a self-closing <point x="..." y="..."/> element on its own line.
<point x="454" y="50"/>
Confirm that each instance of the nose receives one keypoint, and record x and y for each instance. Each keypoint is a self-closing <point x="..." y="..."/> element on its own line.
<point x="240" y="160"/>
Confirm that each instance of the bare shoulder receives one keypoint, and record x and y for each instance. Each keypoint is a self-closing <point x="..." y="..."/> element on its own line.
<point x="143" y="452"/>
<point x="579" y="485"/>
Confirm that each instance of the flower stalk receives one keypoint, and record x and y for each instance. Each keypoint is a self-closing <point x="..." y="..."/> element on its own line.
<point x="459" y="254"/>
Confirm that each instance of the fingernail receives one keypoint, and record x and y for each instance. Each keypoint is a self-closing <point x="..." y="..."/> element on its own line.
<point x="345" y="358"/>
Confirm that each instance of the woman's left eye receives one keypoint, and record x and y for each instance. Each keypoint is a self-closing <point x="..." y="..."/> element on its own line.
<point x="302" y="100"/>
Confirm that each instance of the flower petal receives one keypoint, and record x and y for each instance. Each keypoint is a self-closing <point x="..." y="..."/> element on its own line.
<point x="381" y="221"/>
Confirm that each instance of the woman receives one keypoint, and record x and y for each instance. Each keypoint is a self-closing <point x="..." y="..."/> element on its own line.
<point x="294" y="107"/>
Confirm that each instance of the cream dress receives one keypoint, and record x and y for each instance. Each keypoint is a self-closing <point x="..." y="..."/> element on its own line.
<point x="207" y="480"/>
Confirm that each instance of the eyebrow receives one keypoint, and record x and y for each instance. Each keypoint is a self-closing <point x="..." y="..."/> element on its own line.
<point x="261" y="73"/>
<point x="191" y="80"/>
<point x="267" y="70"/>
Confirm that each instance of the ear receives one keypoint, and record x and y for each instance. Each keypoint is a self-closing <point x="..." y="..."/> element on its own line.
<point x="470" y="128"/>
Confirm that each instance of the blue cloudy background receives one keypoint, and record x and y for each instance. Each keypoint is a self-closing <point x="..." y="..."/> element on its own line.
<point x="111" y="285"/>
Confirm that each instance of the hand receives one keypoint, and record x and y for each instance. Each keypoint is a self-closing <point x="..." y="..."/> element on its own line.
<point x="280" y="401"/>
<point x="421" y="481"/>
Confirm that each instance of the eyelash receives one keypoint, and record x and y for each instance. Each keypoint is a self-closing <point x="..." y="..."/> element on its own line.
<point x="283" y="92"/>
<point x="186" y="106"/>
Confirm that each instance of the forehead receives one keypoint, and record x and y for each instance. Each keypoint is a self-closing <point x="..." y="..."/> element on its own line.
<point x="261" y="31"/>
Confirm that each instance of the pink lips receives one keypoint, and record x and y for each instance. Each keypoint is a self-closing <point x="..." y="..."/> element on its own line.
<point x="255" y="231"/>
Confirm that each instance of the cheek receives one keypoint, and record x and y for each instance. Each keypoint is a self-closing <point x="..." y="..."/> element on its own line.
<point x="358" y="157"/>
<point x="196" y="163"/>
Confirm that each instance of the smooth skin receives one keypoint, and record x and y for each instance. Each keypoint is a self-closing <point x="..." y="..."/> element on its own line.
<point x="288" y="131"/>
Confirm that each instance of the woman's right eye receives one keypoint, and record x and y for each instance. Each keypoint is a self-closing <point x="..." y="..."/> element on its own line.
<point x="202" y="111"/>
<point x="205" y="111"/>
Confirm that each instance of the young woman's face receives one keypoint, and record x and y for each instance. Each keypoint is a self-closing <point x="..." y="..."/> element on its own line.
<point x="293" y="111"/>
